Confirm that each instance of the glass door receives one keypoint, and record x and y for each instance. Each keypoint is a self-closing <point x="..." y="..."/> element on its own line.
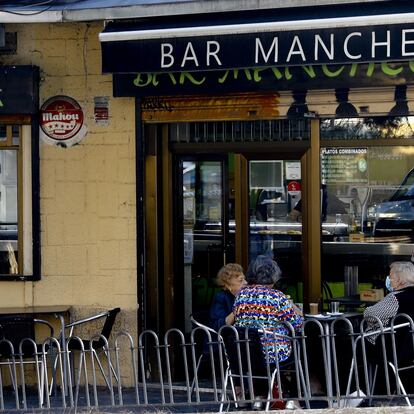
<point x="207" y="243"/>
<point x="275" y="219"/>
<point x="272" y="223"/>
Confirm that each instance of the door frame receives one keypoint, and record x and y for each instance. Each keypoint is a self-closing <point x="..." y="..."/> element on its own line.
<point x="177" y="224"/>
<point x="160" y="212"/>
<point x="242" y="196"/>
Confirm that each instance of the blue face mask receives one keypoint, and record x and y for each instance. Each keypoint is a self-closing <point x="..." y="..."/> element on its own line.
<point x="388" y="284"/>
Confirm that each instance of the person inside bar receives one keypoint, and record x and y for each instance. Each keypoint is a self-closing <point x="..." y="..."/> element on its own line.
<point x="355" y="205"/>
<point x="331" y="205"/>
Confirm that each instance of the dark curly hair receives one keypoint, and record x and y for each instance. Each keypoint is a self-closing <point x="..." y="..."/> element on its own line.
<point x="263" y="271"/>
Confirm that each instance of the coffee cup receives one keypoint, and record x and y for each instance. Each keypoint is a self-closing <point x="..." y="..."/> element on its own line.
<point x="313" y="308"/>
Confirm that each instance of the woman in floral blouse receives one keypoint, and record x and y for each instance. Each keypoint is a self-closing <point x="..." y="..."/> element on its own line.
<point x="259" y="306"/>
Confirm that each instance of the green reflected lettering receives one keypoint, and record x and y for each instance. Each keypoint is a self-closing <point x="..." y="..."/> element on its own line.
<point x="264" y="75"/>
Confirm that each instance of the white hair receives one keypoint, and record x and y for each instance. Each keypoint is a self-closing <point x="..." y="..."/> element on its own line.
<point x="404" y="271"/>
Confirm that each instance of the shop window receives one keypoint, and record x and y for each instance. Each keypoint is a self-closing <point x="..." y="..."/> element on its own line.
<point x="16" y="220"/>
<point x="367" y="198"/>
<point x="275" y="220"/>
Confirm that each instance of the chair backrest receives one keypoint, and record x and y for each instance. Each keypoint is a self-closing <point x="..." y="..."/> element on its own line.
<point x="403" y="341"/>
<point x="201" y="325"/>
<point x="109" y="322"/>
<point x="15" y="328"/>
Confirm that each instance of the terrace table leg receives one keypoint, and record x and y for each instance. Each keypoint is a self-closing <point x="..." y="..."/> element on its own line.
<point x="328" y="363"/>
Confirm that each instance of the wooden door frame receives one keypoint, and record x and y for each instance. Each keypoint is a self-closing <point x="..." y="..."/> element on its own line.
<point x="311" y="250"/>
<point x="311" y="217"/>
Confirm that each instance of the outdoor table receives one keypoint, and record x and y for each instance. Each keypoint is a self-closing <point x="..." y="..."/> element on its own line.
<point x="58" y="311"/>
<point x="352" y="301"/>
<point x="326" y="321"/>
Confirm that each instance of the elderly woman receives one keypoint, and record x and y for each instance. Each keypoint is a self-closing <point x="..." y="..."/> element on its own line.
<point x="400" y="284"/>
<point x="400" y="300"/>
<point x="259" y="306"/>
<point x="231" y="277"/>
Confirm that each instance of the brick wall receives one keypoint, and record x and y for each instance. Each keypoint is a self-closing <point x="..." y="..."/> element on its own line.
<point x="88" y="191"/>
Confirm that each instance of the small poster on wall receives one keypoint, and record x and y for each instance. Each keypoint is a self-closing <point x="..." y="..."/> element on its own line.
<point x="101" y="110"/>
<point x="292" y="170"/>
<point x="62" y="122"/>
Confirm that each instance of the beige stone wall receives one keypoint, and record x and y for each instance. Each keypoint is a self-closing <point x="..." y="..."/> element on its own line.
<point x="88" y="191"/>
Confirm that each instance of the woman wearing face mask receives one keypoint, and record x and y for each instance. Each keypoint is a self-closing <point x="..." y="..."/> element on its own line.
<point x="232" y="278"/>
<point x="400" y="284"/>
<point x="400" y="299"/>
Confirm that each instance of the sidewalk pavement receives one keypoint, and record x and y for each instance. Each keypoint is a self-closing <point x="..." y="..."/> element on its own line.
<point x="181" y="405"/>
<point x="149" y="410"/>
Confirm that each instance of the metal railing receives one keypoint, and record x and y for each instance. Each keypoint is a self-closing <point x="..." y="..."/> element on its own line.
<point x="331" y="363"/>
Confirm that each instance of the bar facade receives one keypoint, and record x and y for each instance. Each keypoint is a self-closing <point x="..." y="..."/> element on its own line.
<point x="204" y="144"/>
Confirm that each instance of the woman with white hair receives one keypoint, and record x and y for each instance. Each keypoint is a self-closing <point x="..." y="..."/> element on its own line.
<point x="400" y="284"/>
<point x="400" y="300"/>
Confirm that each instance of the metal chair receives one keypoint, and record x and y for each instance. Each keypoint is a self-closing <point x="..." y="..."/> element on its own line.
<point x="271" y="372"/>
<point x="18" y="347"/>
<point x="226" y="370"/>
<point x="386" y="347"/>
<point x="97" y="343"/>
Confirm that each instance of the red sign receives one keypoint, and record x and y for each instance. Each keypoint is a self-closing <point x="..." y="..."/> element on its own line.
<point x="293" y="186"/>
<point x="61" y="118"/>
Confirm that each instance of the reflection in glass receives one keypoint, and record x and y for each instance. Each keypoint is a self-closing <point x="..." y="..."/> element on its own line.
<point x="16" y="134"/>
<point x="275" y="223"/>
<point x="3" y="133"/>
<point x="381" y="127"/>
<point x="370" y="188"/>
<point x="203" y="235"/>
<point x="369" y="211"/>
<point x="8" y="212"/>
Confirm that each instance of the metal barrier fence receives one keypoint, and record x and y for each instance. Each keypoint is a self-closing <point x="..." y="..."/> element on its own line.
<point x="332" y="363"/>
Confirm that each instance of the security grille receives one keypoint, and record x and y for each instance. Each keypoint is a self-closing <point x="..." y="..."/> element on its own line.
<point x="240" y="131"/>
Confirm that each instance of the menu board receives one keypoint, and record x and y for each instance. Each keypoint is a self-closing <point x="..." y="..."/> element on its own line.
<point x="344" y="165"/>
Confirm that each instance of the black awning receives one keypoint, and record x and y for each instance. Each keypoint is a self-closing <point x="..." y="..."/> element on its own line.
<point x="293" y="37"/>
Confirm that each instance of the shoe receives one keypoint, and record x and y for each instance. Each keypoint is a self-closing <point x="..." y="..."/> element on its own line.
<point x="292" y="405"/>
<point x="240" y="400"/>
<point x="352" y="402"/>
<point x="278" y="405"/>
<point x="257" y="404"/>
<point x="241" y="404"/>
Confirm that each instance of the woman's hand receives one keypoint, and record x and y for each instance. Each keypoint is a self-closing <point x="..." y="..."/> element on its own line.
<point x="230" y="319"/>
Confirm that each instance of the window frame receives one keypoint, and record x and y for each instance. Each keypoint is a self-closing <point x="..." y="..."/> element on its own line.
<point x="387" y="255"/>
<point x="27" y="123"/>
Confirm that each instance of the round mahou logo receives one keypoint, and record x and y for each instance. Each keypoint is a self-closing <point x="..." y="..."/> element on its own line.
<point x="61" y="118"/>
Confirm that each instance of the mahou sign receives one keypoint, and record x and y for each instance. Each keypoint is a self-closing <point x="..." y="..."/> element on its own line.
<point x="62" y="121"/>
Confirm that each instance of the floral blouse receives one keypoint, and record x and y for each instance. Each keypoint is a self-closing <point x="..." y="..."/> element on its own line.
<point x="259" y="306"/>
